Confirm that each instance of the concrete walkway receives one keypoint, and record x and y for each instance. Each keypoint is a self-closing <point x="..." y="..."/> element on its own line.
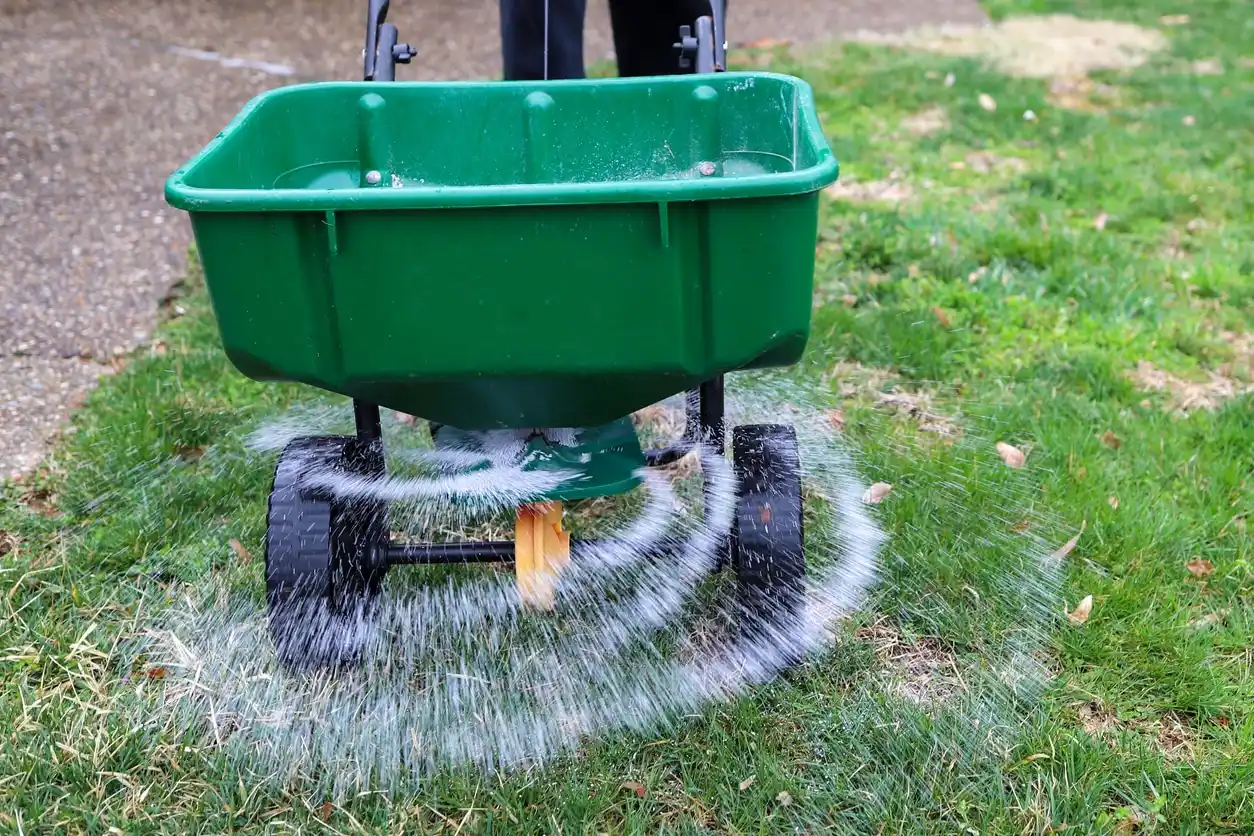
<point x="100" y="101"/>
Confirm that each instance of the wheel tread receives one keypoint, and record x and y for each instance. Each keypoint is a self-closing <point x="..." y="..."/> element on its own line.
<point x="307" y="594"/>
<point x="769" y="534"/>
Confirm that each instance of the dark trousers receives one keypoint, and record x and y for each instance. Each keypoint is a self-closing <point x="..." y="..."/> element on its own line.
<point x="645" y="32"/>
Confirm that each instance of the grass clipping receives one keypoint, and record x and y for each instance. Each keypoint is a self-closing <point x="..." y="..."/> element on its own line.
<point x="1037" y="47"/>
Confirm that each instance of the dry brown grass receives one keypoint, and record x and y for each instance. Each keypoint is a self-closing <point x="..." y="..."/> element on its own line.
<point x="918" y="407"/>
<point x="894" y="189"/>
<point x="1037" y="47"/>
<point x="854" y="379"/>
<point x="986" y="162"/>
<point x="1171" y="733"/>
<point x="1081" y="93"/>
<point x="1230" y="380"/>
<point x="926" y="122"/>
<point x="920" y="671"/>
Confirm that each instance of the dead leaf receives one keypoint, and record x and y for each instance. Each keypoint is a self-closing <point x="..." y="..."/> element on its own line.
<point x="748" y="782"/>
<point x="8" y="543"/>
<point x="1099" y="223"/>
<point x="326" y="810"/>
<point x="1011" y="455"/>
<point x="849" y="300"/>
<point x="1189" y="120"/>
<point x="1207" y="66"/>
<point x="1066" y="548"/>
<point x="784" y="798"/>
<point x="1111" y="440"/>
<point x="240" y="552"/>
<point x="634" y="786"/>
<point x="1082" y="611"/>
<point x="155" y="673"/>
<point x="1021" y="526"/>
<point x="1200" y="568"/>
<point x="1173" y="20"/>
<point x="836" y="418"/>
<point x="1113" y="501"/>
<point x="988" y="102"/>
<point x="941" y="317"/>
<point x="875" y="494"/>
<point x="976" y="275"/>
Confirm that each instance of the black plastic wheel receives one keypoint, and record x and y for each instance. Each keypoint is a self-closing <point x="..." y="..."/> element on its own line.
<point x="768" y="538"/>
<point x="325" y="557"/>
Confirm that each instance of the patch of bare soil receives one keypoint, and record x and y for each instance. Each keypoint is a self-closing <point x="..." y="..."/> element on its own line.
<point x="1037" y="47"/>
<point x="919" y="671"/>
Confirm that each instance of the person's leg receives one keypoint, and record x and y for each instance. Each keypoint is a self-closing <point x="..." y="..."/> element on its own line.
<point x="645" y="32"/>
<point x="522" y="39"/>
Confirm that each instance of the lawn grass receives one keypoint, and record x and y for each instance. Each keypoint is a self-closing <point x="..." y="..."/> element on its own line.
<point x="1032" y="265"/>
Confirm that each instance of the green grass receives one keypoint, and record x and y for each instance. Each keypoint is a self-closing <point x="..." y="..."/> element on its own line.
<point x="993" y="292"/>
